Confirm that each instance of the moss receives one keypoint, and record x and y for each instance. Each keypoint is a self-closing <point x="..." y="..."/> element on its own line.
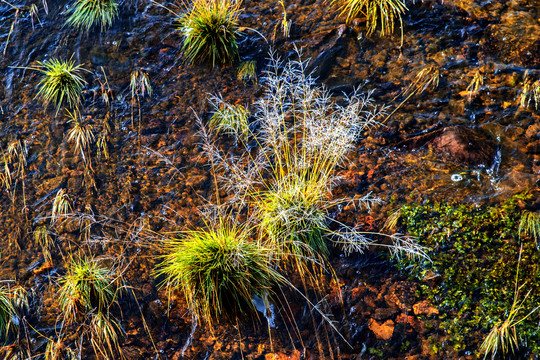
<point x="376" y="351"/>
<point x="475" y="252"/>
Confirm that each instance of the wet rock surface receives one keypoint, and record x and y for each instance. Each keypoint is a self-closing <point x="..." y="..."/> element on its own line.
<point x="516" y="39"/>
<point x="460" y="144"/>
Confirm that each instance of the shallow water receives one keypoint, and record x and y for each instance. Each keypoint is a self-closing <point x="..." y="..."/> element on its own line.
<point x="157" y="178"/>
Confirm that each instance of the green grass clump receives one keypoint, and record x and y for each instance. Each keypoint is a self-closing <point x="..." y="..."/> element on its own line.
<point x="62" y="81"/>
<point x="87" y="13"/>
<point x="87" y="287"/>
<point x="218" y="270"/>
<point x="476" y="252"/>
<point x="293" y="217"/>
<point x="7" y="312"/>
<point x="285" y="182"/>
<point x="87" y="293"/>
<point x="209" y="29"/>
<point x="248" y="71"/>
<point x="377" y="12"/>
<point x="12" y="302"/>
<point x="230" y="119"/>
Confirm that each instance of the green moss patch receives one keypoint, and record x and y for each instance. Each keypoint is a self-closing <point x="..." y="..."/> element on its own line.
<point x="472" y="276"/>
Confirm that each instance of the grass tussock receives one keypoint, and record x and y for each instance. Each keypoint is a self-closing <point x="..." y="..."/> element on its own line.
<point x="12" y="301"/>
<point x="88" y="291"/>
<point x="303" y="137"/>
<point x="81" y="135"/>
<point x="60" y="206"/>
<point x="62" y="81"/>
<point x="44" y="240"/>
<point x="247" y="71"/>
<point x="209" y="29"/>
<point x="86" y="287"/>
<point x="381" y="14"/>
<point x="7" y="311"/>
<point x="219" y="270"/>
<point x="230" y="119"/>
<point x="293" y="217"/>
<point x="86" y="13"/>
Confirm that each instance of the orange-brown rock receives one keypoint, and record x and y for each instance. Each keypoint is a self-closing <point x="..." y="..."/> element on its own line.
<point x="424" y="308"/>
<point x="382" y="330"/>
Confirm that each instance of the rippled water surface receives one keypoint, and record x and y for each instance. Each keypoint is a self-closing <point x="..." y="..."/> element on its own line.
<point x="445" y="141"/>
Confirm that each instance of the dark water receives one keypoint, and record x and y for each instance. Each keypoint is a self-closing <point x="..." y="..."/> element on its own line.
<point x="137" y="189"/>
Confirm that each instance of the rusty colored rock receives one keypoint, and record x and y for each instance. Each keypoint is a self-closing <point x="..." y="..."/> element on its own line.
<point x="401" y="295"/>
<point x="382" y="331"/>
<point x="424" y="308"/>
<point x="295" y="355"/>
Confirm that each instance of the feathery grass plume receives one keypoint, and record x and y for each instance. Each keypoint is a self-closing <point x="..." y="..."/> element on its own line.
<point x="87" y="287"/>
<point x="304" y="137"/>
<point x="247" y="71"/>
<point x="229" y="119"/>
<point x="209" y="29"/>
<point x="62" y="81"/>
<point x="87" y="13"/>
<point x="376" y="12"/>
<point x="219" y="270"/>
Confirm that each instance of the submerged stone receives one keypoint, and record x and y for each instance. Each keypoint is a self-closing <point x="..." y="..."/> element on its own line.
<point x="464" y="144"/>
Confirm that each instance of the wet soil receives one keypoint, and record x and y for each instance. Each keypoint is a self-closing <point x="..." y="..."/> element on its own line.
<point x="157" y="177"/>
